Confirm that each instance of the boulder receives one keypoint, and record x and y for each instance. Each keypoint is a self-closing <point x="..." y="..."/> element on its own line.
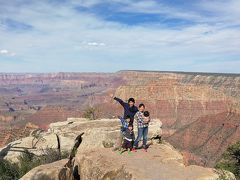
<point x="53" y="171"/>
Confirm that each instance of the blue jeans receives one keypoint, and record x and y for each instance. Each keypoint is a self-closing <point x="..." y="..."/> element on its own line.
<point x="142" y="132"/>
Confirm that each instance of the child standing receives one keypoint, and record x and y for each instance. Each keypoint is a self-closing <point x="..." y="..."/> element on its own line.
<point x="127" y="133"/>
<point x="128" y="139"/>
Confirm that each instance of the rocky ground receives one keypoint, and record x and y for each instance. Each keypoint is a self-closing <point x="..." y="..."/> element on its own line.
<point x="161" y="162"/>
<point x="96" y="160"/>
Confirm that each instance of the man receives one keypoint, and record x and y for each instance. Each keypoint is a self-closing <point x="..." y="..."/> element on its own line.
<point x="129" y="112"/>
<point x="129" y="108"/>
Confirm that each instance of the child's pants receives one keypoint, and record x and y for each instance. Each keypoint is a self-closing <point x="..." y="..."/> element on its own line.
<point x="142" y="132"/>
<point x="127" y="144"/>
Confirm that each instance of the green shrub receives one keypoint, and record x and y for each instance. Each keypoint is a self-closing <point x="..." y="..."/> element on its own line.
<point x="231" y="160"/>
<point x="8" y="171"/>
<point x="28" y="161"/>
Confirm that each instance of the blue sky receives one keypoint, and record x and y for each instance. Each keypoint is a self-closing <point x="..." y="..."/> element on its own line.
<point x="107" y="36"/>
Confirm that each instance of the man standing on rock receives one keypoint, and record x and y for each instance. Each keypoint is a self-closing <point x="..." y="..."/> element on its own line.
<point x="129" y="111"/>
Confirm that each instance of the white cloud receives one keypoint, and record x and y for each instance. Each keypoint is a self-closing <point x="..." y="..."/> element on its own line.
<point x="6" y="52"/>
<point x="95" y="44"/>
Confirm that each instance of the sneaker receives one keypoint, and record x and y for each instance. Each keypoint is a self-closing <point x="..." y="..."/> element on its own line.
<point x="134" y="150"/>
<point x="145" y="149"/>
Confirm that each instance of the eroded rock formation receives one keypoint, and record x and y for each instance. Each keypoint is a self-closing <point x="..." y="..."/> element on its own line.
<point x="95" y="161"/>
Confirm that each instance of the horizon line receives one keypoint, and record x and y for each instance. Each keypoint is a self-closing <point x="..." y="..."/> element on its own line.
<point x="127" y="70"/>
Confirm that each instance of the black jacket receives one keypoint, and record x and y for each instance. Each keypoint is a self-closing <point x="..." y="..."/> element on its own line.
<point x="128" y="111"/>
<point x="129" y="134"/>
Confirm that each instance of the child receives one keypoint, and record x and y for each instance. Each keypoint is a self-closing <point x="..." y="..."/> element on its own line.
<point x="146" y="115"/>
<point x="128" y="138"/>
<point x="126" y="133"/>
<point x="143" y="119"/>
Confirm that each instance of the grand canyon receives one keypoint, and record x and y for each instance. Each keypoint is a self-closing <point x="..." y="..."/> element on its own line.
<point x="200" y="112"/>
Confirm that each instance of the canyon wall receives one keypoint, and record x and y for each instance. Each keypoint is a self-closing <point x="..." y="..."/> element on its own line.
<point x="200" y="112"/>
<point x="45" y="98"/>
<point x="180" y="99"/>
<point x="184" y="102"/>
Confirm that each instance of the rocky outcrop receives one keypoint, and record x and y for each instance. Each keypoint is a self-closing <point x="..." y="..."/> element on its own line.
<point x="95" y="160"/>
<point x="160" y="163"/>
<point x="97" y="134"/>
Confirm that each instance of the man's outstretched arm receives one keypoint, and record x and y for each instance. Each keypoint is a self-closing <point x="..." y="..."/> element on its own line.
<point x="120" y="101"/>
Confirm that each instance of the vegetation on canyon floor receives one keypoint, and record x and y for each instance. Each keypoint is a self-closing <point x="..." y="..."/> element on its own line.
<point x="231" y="160"/>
